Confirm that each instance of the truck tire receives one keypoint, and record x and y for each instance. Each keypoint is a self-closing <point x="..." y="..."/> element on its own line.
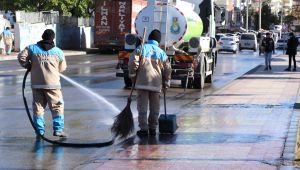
<point x="127" y="82"/>
<point x="209" y="79"/>
<point x="189" y="85"/>
<point x="199" y="81"/>
<point x="216" y="59"/>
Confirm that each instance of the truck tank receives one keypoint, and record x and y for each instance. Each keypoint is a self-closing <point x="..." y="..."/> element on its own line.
<point x="177" y="23"/>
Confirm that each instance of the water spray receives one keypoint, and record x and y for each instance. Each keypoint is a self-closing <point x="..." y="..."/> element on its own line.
<point x="61" y="143"/>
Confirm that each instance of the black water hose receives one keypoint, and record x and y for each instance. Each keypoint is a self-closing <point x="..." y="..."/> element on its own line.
<point x="61" y="143"/>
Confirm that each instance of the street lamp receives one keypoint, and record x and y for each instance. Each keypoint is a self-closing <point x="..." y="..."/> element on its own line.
<point x="259" y="17"/>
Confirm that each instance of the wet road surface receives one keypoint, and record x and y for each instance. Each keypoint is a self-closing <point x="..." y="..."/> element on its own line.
<point x="248" y="124"/>
<point x="89" y="120"/>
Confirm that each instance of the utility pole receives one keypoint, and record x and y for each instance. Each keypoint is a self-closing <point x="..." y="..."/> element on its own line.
<point x="281" y="19"/>
<point x="247" y="11"/>
<point x="259" y="17"/>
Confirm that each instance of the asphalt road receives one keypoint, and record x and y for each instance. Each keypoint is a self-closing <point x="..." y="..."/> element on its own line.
<point x="88" y="118"/>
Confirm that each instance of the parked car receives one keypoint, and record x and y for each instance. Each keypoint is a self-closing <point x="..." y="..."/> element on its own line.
<point x="219" y="35"/>
<point x="227" y="44"/>
<point x="281" y="44"/>
<point x="248" y="41"/>
<point x="235" y="37"/>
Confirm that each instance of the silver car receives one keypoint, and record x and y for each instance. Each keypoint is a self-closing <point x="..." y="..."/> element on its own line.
<point x="227" y="44"/>
<point x="281" y="44"/>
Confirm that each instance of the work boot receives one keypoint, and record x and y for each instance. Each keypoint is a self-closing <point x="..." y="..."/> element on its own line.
<point x="152" y="132"/>
<point x="294" y="69"/>
<point x="142" y="132"/>
<point x="287" y="69"/>
<point x="60" y="134"/>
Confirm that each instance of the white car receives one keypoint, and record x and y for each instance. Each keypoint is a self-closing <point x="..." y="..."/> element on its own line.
<point x="219" y="35"/>
<point x="248" y="41"/>
<point x="281" y="44"/>
<point x="236" y="38"/>
<point x="227" y="44"/>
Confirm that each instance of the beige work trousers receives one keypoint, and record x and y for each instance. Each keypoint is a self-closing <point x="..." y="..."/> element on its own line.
<point x="143" y="98"/>
<point x="52" y="97"/>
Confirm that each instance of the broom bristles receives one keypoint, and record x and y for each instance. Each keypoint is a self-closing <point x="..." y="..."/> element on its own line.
<point x="123" y="125"/>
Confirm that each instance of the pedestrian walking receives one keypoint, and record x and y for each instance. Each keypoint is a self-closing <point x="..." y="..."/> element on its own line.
<point x="2" y="46"/>
<point x="150" y="69"/>
<point x="291" y="50"/>
<point x="8" y="38"/>
<point x="268" y="48"/>
<point x="46" y="62"/>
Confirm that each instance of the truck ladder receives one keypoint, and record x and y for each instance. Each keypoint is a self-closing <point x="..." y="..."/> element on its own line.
<point x="160" y="22"/>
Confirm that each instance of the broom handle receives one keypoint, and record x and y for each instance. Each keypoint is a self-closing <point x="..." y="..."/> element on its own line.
<point x="164" y="91"/>
<point x="142" y="45"/>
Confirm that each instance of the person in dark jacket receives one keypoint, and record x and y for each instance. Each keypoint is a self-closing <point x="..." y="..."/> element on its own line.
<point x="268" y="46"/>
<point x="292" y="50"/>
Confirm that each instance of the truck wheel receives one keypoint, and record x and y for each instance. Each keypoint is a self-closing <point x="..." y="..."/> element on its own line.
<point x="209" y="79"/>
<point x="189" y="85"/>
<point x="199" y="81"/>
<point x="127" y="82"/>
<point x="216" y="59"/>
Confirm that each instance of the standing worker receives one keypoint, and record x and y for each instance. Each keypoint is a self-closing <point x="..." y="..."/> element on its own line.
<point x="292" y="50"/>
<point x="8" y="39"/>
<point x="268" y="47"/>
<point x="149" y="67"/>
<point x="46" y="62"/>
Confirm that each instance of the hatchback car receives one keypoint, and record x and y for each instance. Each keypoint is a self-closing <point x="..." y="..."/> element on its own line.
<point x="235" y="37"/>
<point x="248" y="41"/>
<point x="227" y="44"/>
<point x="219" y="35"/>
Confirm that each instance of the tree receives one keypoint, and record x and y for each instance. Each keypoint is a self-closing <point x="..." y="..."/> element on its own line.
<point x="272" y="19"/>
<point x="250" y="13"/>
<point x="77" y="8"/>
<point x="289" y="20"/>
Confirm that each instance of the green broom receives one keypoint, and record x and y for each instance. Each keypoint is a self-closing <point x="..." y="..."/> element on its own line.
<point x="124" y="124"/>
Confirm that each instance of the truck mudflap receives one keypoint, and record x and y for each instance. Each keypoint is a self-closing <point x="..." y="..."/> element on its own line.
<point x="182" y="66"/>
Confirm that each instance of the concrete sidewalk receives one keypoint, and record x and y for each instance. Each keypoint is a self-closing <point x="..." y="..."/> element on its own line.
<point x="13" y="55"/>
<point x="249" y="124"/>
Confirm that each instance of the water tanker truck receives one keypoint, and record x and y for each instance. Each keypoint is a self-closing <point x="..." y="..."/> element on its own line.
<point x="187" y="39"/>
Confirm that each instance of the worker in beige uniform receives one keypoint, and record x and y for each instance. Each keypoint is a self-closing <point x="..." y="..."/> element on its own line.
<point x="150" y="68"/>
<point x="8" y="38"/>
<point x="46" y="63"/>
